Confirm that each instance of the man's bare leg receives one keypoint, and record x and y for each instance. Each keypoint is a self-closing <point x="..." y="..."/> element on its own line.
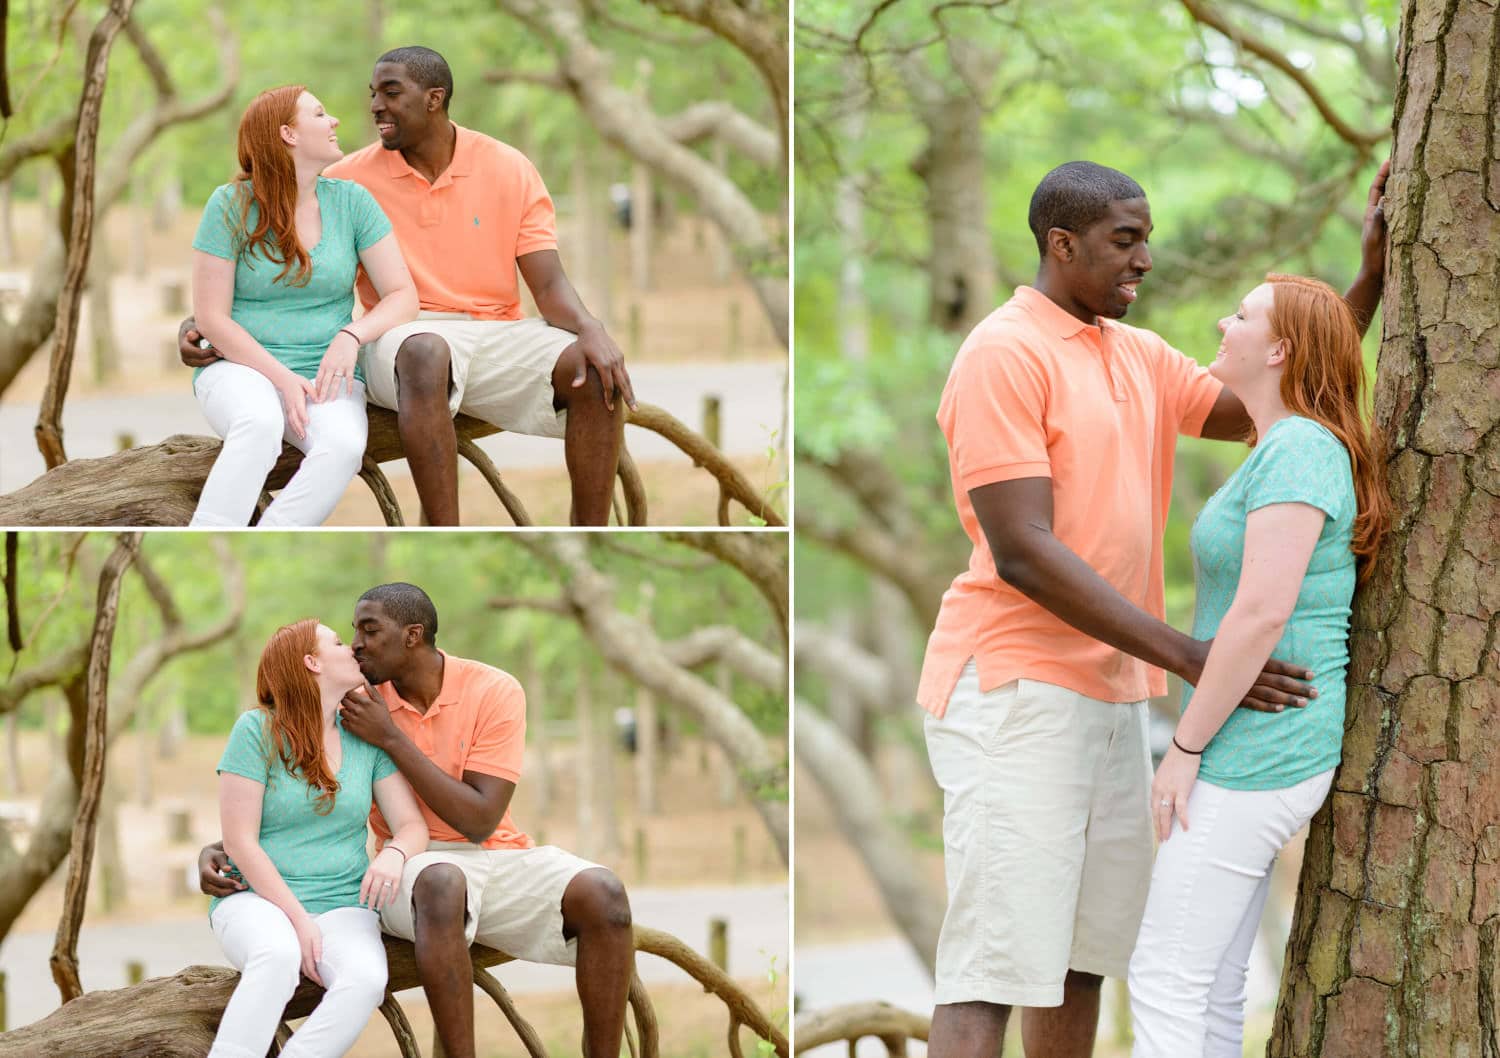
<point x="967" y="1030"/>
<point x="426" y="425"/>
<point x="439" y="900"/>
<point x="591" y="443"/>
<point x="597" y="911"/>
<point x="1067" y="1031"/>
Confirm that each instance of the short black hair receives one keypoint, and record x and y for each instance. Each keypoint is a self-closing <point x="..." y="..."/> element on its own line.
<point x="427" y="68"/>
<point x="407" y="604"/>
<point x="1074" y="196"/>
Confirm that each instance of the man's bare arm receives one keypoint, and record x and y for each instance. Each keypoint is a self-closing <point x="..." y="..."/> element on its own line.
<point x="561" y="306"/>
<point x="1016" y="517"/>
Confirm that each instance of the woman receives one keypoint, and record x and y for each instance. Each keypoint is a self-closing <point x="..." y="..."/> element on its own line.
<point x="273" y="291"/>
<point x="1277" y="552"/>
<point x="294" y="797"/>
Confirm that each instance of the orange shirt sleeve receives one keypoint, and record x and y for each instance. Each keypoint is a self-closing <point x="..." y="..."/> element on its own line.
<point x="1187" y="390"/>
<point x="538" y="227"/>
<point x="994" y="415"/>
<point x="499" y="731"/>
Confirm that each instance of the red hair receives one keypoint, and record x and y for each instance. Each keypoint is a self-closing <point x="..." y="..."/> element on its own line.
<point x="268" y="178"/>
<point x="288" y="692"/>
<point x="1324" y="380"/>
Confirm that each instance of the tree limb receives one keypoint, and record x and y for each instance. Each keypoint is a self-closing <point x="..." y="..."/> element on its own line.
<point x="717" y="118"/>
<point x="856" y="1021"/>
<point x="723" y="643"/>
<point x="64" y="958"/>
<point x="1203" y="13"/>
<point x="835" y="658"/>
<point x="858" y="803"/>
<point x="57" y="669"/>
<point x="881" y="553"/>
<point x="761" y="557"/>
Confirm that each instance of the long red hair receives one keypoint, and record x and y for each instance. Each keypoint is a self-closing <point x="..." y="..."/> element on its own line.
<point x="1324" y="380"/>
<point x="288" y="692"/>
<point x="268" y="179"/>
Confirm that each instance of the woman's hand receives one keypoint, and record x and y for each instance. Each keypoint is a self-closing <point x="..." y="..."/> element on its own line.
<point x="310" y="939"/>
<point x="1170" y="789"/>
<point x="382" y="880"/>
<point x="294" y="391"/>
<point x="337" y="368"/>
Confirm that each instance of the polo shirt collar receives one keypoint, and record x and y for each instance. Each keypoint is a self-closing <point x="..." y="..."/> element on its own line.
<point x="1053" y="316"/>
<point x="447" y="693"/>
<point x="462" y="164"/>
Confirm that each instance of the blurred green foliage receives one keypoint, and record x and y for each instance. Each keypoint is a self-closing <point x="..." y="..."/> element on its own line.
<point x="331" y="47"/>
<point x="289" y="576"/>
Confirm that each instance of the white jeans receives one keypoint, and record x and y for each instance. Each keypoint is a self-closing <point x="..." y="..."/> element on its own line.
<point x="258" y="939"/>
<point x="1209" y="886"/>
<point x="244" y="409"/>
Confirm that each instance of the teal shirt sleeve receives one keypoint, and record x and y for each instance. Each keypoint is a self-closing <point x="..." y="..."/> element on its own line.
<point x="384" y="766"/>
<point x="247" y="750"/>
<point x="1298" y="462"/>
<point x="215" y="229"/>
<point x="367" y="219"/>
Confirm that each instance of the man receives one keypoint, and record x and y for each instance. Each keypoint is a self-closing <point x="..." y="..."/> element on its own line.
<point x="1061" y="426"/>
<point x="468" y="212"/>
<point x="456" y="729"/>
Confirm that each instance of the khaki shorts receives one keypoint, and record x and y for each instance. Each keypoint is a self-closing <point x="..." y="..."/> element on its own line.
<point x="1046" y="838"/>
<point x="500" y="370"/>
<point x="514" y="898"/>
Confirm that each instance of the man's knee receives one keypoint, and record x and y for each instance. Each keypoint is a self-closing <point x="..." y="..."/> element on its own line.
<point x="596" y="900"/>
<point x="423" y="368"/>
<point x="440" y="895"/>
<point x="1077" y="979"/>
<point x="585" y="399"/>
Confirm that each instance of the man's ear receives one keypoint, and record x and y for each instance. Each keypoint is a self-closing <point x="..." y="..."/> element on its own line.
<point x="1061" y="243"/>
<point x="435" y="99"/>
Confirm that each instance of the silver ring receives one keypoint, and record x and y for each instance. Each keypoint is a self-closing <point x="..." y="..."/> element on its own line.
<point x="388" y="884"/>
<point x="1165" y="801"/>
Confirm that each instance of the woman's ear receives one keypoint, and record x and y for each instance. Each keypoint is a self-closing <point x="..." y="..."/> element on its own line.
<point x="289" y="135"/>
<point x="1277" y="356"/>
<point x="314" y="665"/>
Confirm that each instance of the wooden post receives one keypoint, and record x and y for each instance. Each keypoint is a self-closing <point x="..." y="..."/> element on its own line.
<point x="718" y="943"/>
<point x="741" y="857"/>
<point x="135" y="971"/>
<point x="635" y="339"/>
<point x="640" y="854"/>
<point x="539" y="773"/>
<point x="723" y="255"/>
<point x="584" y="765"/>
<point x="179" y="824"/>
<point x="642" y="203"/>
<point x="712" y="417"/>
<point x="729" y="782"/>
<point x="645" y="729"/>
<point x="734" y="330"/>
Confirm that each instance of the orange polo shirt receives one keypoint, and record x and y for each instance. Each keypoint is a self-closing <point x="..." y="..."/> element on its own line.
<point x="461" y="234"/>
<point x="1036" y="392"/>
<point x="477" y="723"/>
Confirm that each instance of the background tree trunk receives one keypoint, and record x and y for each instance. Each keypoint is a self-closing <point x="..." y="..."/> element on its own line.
<point x="1393" y="945"/>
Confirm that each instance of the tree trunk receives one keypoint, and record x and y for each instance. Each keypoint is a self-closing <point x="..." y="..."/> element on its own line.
<point x="583" y="716"/>
<point x="104" y="351"/>
<point x="1393" y="946"/>
<point x="645" y="730"/>
<point x="960" y="260"/>
<point x="539" y="778"/>
<point x="606" y="803"/>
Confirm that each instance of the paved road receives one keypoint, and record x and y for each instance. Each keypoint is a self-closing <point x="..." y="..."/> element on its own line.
<point x="758" y="933"/>
<point x="752" y="394"/>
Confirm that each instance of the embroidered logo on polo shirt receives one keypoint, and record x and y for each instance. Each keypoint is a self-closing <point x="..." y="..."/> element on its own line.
<point x="476" y="222"/>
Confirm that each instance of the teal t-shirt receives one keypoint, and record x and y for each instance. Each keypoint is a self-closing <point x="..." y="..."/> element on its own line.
<point x="321" y="858"/>
<point x="1298" y="461"/>
<point x="295" y="324"/>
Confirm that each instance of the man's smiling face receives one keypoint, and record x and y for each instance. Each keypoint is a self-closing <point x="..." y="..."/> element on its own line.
<point x="402" y="108"/>
<point x="1112" y="259"/>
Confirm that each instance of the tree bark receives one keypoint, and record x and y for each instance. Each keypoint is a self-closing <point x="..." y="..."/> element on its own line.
<point x="1393" y="947"/>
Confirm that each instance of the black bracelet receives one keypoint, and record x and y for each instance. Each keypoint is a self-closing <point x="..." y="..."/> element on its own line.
<point x="395" y="848"/>
<point x="1189" y="752"/>
<point x="351" y="334"/>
